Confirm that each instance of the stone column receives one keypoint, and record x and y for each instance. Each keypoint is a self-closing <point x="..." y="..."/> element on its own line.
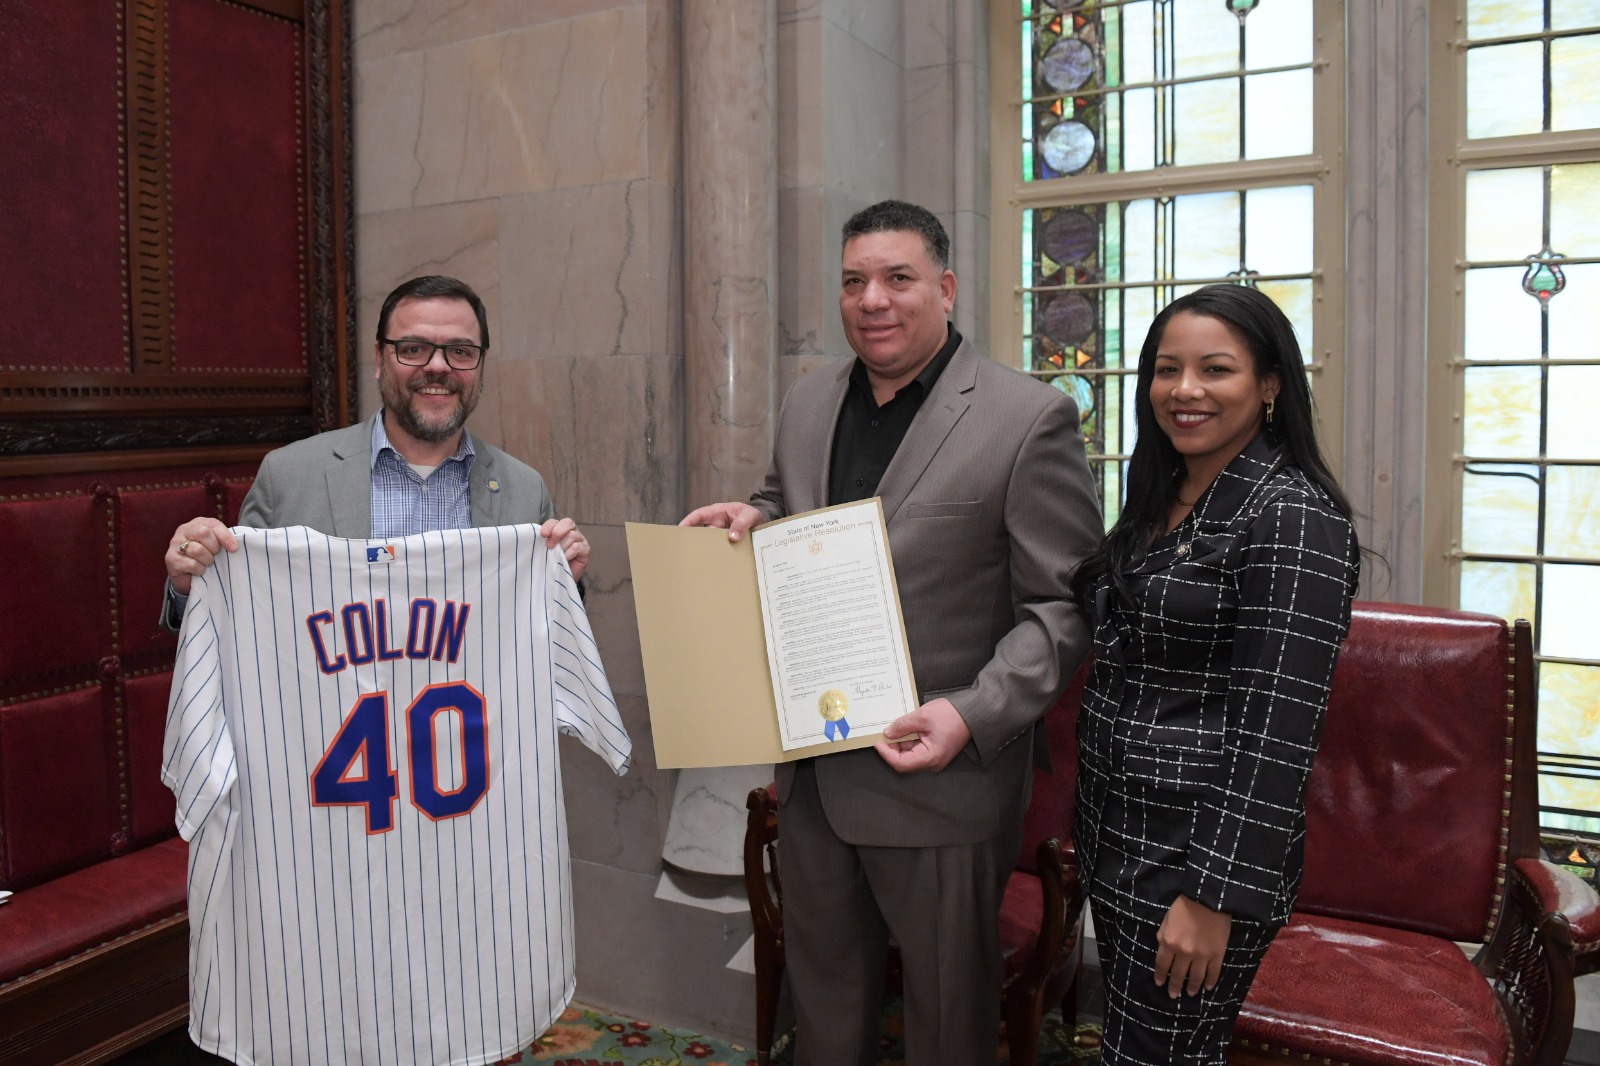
<point x="730" y="213"/>
<point x="730" y="210"/>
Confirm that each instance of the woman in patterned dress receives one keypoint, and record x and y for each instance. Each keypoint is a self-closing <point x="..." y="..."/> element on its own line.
<point x="1219" y="601"/>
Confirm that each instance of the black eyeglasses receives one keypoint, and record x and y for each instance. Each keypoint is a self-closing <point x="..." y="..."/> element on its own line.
<point x="412" y="352"/>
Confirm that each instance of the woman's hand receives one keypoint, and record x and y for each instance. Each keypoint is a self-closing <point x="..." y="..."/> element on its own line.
<point x="1190" y="945"/>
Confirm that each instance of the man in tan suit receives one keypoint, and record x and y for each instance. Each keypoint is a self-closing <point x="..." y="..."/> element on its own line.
<point x="990" y="506"/>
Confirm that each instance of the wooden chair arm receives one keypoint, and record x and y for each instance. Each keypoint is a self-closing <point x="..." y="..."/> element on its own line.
<point x="1534" y="975"/>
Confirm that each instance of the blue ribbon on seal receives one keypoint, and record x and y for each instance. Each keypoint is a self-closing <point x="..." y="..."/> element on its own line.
<point x="842" y="726"/>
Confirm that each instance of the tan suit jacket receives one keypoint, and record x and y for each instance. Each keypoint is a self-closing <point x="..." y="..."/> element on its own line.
<point x="990" y="507"/>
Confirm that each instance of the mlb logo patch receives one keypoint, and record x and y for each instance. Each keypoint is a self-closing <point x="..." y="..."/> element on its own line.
<point x="384" y="554"/>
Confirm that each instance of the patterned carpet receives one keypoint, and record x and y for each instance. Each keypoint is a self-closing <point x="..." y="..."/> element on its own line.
<point x="586" y="1037"/>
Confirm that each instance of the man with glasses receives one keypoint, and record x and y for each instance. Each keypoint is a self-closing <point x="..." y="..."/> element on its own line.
<point x="412" y="468"/>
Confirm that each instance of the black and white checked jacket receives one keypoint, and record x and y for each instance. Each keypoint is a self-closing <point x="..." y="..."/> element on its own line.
<point x="1204" y="709"/>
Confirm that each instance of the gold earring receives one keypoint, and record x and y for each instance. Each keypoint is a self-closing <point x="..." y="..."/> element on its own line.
<point x="1270" y="405"/>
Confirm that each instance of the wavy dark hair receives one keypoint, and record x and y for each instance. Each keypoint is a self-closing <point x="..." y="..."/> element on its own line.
<point x="1156" y="468"/>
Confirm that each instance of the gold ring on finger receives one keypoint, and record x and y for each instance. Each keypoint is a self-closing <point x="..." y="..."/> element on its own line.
<point x="183" y="549"/>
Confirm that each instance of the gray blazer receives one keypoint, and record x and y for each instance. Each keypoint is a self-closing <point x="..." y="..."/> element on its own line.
<point x="990" y="507"/>
<point x="325" y="482"/>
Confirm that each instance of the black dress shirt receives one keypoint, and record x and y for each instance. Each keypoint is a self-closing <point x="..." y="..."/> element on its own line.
<point x="867" y="435"/>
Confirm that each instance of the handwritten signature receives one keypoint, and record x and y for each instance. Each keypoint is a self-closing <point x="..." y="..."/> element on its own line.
<point x="862" y="689"/>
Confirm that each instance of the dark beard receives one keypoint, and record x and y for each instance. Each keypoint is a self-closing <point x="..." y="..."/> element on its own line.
<point x="406" y="416"/>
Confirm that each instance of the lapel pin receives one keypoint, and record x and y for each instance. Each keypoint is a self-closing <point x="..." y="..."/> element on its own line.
<point x="494" y="485"/>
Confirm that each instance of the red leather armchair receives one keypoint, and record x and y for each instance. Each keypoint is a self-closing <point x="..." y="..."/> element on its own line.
<point x="1041" y="918"/>
<point x="1421" y="831"/>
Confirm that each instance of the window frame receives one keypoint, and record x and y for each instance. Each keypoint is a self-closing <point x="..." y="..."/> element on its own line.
<point x="1323" y="169"/>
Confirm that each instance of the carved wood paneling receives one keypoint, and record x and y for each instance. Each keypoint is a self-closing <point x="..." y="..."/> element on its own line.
<point x="149" y="233"/>
<point x="64" y="421"/>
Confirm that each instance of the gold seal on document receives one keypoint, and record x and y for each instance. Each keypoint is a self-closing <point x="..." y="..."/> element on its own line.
<point x="833" y="704"/>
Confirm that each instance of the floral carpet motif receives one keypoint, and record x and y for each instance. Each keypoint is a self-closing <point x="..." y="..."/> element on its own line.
<point x="586" y="1037"/>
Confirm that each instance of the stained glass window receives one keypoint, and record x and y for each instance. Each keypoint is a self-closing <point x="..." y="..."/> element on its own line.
<point x="1528" y="513"/>
<point x="1186" y="98"/>
<point x="1116" y="86"/>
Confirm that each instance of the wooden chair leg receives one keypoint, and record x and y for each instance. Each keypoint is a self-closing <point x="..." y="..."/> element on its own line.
<point x="1022" y="1030"/>
<point x="769" y="977"/>
<point x="1069" y="999"/>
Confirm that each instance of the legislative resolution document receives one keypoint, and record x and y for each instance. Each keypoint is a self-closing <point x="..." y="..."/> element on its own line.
<point x="784" y="644"/>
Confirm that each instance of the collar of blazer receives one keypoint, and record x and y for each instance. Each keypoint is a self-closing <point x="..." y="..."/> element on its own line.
<point x="1229" y="500"/>
<point x="349" y="480"/>
<point x="938" y="415"/>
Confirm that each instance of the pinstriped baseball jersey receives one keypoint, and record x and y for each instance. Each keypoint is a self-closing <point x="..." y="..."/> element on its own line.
<point x="362" y="742"/>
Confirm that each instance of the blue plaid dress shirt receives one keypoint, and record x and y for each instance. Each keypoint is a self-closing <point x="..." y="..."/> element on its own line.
<point x="403" y="502"/>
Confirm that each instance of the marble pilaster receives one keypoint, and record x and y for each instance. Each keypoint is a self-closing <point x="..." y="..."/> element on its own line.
<point x="1386" y="288"/>
<point x="730" y="245"/>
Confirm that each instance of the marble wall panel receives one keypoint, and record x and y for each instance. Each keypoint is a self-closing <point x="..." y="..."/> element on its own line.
<point x="800" y="161"/>
<point x="506" y="114"/>
<point x="592" y="267"/>
<point x="927" y="33"/>
<point x="875" y="23"/>
<point x="969" y="259"/>
<point x="513" y="14"/>
<point x="606" y="433"/>
<point x="929" y="138"/>
<point x="460" y="240"/>
<point x="389" y="27"/>
<point x="609" y="602"/>
<point x="614" y="820"/>
<point x="863" y="129"/>
<point x="388" y="100"/>
<point x="808" y="267"/>
<point x="527" y="409"/>
<point x="790" y="10"/>
<point x="664" y="75"/>
<point x="649" y="958"/>
<point x="636" y="474"/>
<point x="572" y="103"/>
<point x="969" y="132"/>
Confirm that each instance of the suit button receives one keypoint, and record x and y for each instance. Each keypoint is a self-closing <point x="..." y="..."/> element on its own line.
<point x="860" y="482"/>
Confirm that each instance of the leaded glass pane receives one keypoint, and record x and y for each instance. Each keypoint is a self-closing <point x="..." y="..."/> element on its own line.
<point x="1504" y="589"/>
<point x="1112" y="87"/>
<point x="1279" y="35"/>
<point x="1574" y="208"/>
<point x="1502" y="321"/>
<point x="1574" y="96"/>
<point x="1572" y="519"/>
<point x="1278" y="229"/>
<point x="1276" y="106"/>
<point x="1505" y="89"/>
<point x="1572" y="14"/>
<point x="1567" y="627"/>
<point x="1295" y="297"/>
<point x="1575" y="313"/>
<point x="1207" y="122"/>
<point x="1502" y="412"/>
<point x="1505" y="213"/>
<point x="1570" y="431"/>
<point x="1500" y="509"/>
<point x="1502" y="18"/>
<point x="1569" y="721"/>
<point x="1205" y="36"/>
<point x="1205" y="235"/>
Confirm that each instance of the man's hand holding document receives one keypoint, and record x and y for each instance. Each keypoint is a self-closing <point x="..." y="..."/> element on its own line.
<point x="783" y="644"/>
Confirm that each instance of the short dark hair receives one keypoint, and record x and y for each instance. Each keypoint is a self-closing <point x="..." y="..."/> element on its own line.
<point x="895" y="216"/>
<point x="431" y="287"/>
